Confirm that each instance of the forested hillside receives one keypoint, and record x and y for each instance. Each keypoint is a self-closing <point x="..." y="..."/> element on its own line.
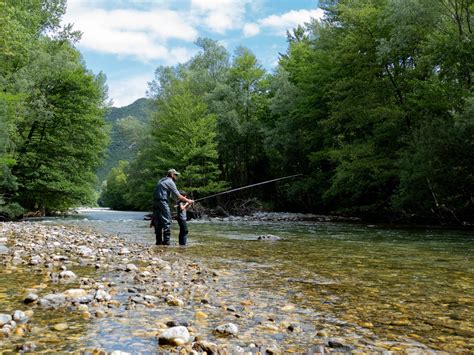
<point x="374" y="105"/>
<point x="126" y="124"/>
<point x="53" y="132"/>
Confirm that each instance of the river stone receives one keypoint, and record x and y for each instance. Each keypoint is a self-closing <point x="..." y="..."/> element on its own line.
<point x="20" y="317"/>
<point x="102" y="296"/>
<point x="124" y="251"/>
<point x="60" y="258"/>
<point x="67" y="275"/>
<point x="268" y="237"/>
<point x="32" y="297"/>
<point x="4" y="319"/>
<point x="174" y="336"/>
<point x="205" y="346"/>
<point x="339" y="346"/>
<point x="75" y="293"/>
<point x="229" y="329"/>
<point x="52" y="300"/>
<point x="60" y="327"/>
<point x="35" y="260"/>
<point x="3" y="249"/>
<point x="131" y="267"/>
<point x="174" y="301"/>
<point x="85" y="251"/>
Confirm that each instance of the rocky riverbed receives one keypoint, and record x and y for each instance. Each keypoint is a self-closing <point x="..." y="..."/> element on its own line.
<point x="69" y="289"/>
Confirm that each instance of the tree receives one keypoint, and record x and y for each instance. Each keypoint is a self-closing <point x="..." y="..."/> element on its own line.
<point x="240" y="104"/>
<point x="113" y="194"/>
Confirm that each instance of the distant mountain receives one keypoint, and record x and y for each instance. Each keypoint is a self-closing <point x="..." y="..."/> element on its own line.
<point x="121" y="145"/>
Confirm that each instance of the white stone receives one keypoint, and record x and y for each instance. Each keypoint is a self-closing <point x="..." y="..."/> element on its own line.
<point x="227" y="329"/>
<point x="102" y="296"/>
<point x="68" y="274"/>
<point x="174" y="336"/>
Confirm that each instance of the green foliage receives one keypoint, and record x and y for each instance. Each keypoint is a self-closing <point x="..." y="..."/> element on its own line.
<point x="240" y="104"/>
<point x="113" y="194"/>
<point x="53" y="132"/>
<point x="372" y="106"/>
<point x="182" y="135"/>
<point x="437" y="171"/>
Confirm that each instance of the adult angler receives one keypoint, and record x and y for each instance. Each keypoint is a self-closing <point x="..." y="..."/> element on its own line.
<point x="161" y="209"/>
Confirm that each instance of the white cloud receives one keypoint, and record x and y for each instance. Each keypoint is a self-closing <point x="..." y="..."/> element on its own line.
<point x="128" y="32"/>
<point x="251" y="29"/>
<point x="291" y="19"/>
<point x="220" y="15"/>
<point x="126" y="90"/>
<point x="279" y="24"/>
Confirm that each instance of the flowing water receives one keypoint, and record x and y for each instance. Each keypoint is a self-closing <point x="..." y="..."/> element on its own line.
<point x="387" y="285"/>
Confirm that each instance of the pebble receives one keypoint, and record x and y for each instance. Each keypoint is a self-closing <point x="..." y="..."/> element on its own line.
<point x="20" y="317"/>
<point x="229" y="329"/>
<point x="174" y="336"/>
<point x="4" y="319"/>
<point x="60" y="327"/>
<point x="102" y="296"/>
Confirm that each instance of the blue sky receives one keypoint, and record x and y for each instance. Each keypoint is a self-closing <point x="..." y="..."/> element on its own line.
<point x="128" y="40"/>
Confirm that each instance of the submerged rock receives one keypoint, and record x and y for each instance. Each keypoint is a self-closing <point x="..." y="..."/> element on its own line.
<point x="268" y="237"/>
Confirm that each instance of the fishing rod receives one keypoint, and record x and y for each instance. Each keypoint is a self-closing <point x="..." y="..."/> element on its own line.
<point x="248" y="186"/>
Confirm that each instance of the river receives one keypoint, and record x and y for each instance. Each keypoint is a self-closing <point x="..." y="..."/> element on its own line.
<point x="388" y="285"/>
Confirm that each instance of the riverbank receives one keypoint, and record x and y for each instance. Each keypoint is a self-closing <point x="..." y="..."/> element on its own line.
<point x="86" y="277"/>
<point x="78" y="290"/>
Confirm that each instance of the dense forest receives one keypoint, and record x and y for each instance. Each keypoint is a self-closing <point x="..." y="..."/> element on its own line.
<point x="53" y="132"/>
<point x="374" y="105"/>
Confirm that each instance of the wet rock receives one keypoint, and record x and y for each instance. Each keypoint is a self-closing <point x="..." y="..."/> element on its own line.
<point x="60" y="327"/>
<point x="205" y="346"/>
<point x="75" y="293"/>
<point x="5" y="332"/>
<point x="26" y="347"/>
<point x="268" y="237"/>
<point x="35" y="260"/>
<point x="124" y="251"/>
<point x="67" y="275"/>
<point x="52" y="300"/>
<point x="272" y="350"/>
<point x="32" y="297"/>
<point x="339" y="346"/>
<point x="85" y="251"/>
<point x="131" y="267"/>
<point x="172" y="323"/>
<point x="20" y="317"/>
<point x="60" y="258"/>
<point x="174" y="301"/>
<point x="229" y="329"/>
<point x="102" y="296"/>
<point x="4" y="319"/>
<point x="174" y="336"/>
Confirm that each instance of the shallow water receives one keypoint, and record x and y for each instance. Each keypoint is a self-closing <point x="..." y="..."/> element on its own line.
<point x="400" y="285"/>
